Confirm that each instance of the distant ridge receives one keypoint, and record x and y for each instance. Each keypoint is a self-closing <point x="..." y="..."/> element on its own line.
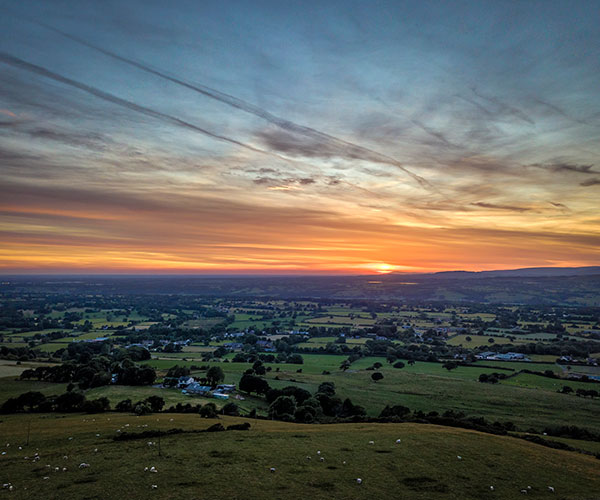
<point x="537" y="272"/>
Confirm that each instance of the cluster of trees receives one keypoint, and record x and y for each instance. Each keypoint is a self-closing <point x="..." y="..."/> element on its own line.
<point x="491" y="378"/>
<point x="149" y="405"/>
<point x="17" y="353"/>
<point x="70" y="401"/>
<point x="584" y="393"/>
<point x="95" y="372"/>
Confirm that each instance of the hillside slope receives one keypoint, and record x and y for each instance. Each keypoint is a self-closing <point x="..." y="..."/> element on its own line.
<point x="236" y="464"/>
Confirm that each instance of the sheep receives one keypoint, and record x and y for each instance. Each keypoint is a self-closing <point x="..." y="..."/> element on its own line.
<point x="64" y="457"/>
<point x="95" y="450"/>
<point x="524" y="492"/>
<point x="318" y="452"/>
<point x="459" y="457"/>
<point x="97" y="435"/>
<point x="272" y="469"/>
<point x="153" y="469"/>
<point x="307" y="457"/>
<point x="145" y="469"/>
<point x="64" y="469"/>
<point x="154" y="486"/>
<point x="70" y="439"/>
<point x="398" y="441"/>
<point x="11" y="487"/>
<point x="45" y="477"/>
<point x="491" y="488"/>
<point x="4" y="453"/>
<point x="358" y="480"/>
<point x="371" y="442"/>
<point x="83" y="465"/>
<point x="551" y="489"/>
<point x="322" y="459"/>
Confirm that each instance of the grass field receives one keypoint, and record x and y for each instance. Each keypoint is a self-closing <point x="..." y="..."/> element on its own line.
<point x="236" y="464"/>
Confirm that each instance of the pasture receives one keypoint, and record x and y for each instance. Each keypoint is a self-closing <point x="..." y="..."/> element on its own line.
<point x="237" y="464"/>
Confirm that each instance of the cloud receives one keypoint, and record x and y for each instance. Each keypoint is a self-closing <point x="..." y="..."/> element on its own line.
<point x="341" y="147"/>
<point x="567" y="167"/>
<point x="590" y="182"/>
<point x="33" y="68"/>
<point x="493" y="206"/>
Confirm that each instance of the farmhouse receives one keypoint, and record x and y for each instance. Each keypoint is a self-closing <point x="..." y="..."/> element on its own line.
<point x="197" y="388"/>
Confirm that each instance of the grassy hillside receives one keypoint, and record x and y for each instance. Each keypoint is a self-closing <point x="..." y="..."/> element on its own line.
<point x="236" y="464"/>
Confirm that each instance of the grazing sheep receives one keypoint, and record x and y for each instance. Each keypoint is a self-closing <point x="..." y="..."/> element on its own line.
<point x="459" y="457"/>
<point x="83" y="465"/>
<point x="371" y="442"/>
<point x="318" y="452"/>
<point x="4" y="453"/>
<point x="344" y="462"/>
<point x="359" y="480"/>
<point x="398" y="441"/>
<point x="524" y="492"/>
<point x="97" y="435"/>
<point x="70" y="439"/>
<point x="11" y="487"/>
<point x="64" y="469"/>
<point x="491" y="488"/>
<point x="64" y="458"/>
<point x="550" y="489"/>
<point x="322" y="459"/>
<point x="154" y="486"/>
<point x="153" y="469"/>
<point x="307" y="458"/>
<point x="272" y="469"/>
<point x="45" y="477"/>
<point x="95" y="450"/>
<point x="145" y="469"/>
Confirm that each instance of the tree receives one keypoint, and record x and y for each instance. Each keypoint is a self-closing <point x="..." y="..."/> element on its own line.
<point x="231" y="409"/>
<point x="209" y="410"/>
<point x="468" y="339"/>
<point x="295" y="359"/>
<point x="398" y="364"/>
<point x="450" y="365"/>
<point x="252" y="383"/>
<point x="215" y="375"/>
<point x="156" y="403"/>
<point x="283" y="408"/>
<point x="124" y="405"/>
<point x="327" y="388"/>
<point x="566" y="389"/>
<point x="259" y="368"/>
<point x="377" y="376"/>
<point x="491" y="340"/>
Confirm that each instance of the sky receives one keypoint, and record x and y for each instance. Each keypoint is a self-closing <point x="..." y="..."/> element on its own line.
<point x="298" y="137"/>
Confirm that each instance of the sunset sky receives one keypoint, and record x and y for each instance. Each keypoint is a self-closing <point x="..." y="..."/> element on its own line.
<point x="325" y="136"/>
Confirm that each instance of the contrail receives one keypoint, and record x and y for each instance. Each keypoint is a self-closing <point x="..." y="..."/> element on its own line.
<point x="33" y="68"/>
<point x="368" y="154"/>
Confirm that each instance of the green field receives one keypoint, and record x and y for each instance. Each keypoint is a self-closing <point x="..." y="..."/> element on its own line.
<point x="236" y="464"/>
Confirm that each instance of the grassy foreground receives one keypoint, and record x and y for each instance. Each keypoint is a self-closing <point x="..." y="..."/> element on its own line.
<point x="236" y="464"/>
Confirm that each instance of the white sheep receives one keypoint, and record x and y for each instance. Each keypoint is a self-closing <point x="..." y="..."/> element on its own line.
<point x="491" y="488"/>
<point x="307" y="458"/>
<point x="322" y="459"/>
<point x="64" y="469"/>
<point x="459" y="457"/>
<point x="153" y="469"/>
<point x="371" y="442"/>
<point x="398" y="441"/>
<point x="83" y="465"/>
<point x="154" y="486"/>
<point x="524" y="492"/>
<point x="551" y="489"/>
<point x="359" y="480"/>
<point x="318" y="452"/>
<point x="272" y="469"/>
<point x="45" y="477"/>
